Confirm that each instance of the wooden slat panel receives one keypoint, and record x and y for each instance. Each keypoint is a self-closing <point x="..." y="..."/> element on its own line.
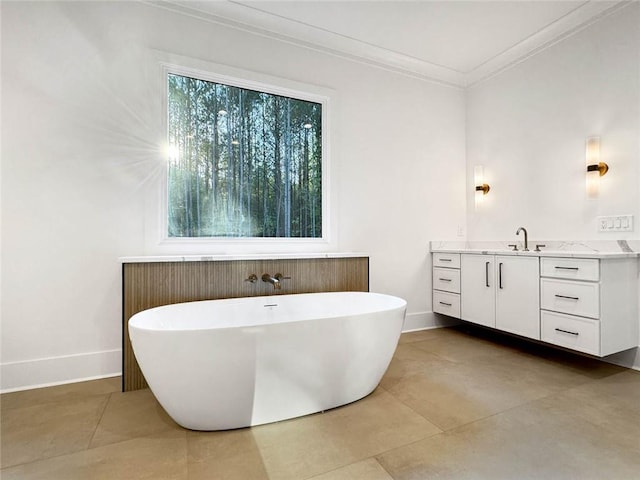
<point x="148" y="285"/>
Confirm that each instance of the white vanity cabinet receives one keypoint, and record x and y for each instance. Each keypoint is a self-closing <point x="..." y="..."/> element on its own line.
<point x="446" y="284"/>
<point x="589" y="304"/>
<point x="478" y="282"/>
<point x="517" y="295"/>
<point x="586" y="304"/>
<point x="501" y="292"/>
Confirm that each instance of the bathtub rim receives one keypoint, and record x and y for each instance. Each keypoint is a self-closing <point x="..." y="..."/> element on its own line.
<point x="136" y="320"/>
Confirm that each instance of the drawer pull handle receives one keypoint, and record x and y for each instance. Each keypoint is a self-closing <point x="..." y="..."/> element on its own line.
<point x="565" y="296"/>
<point x="567" y="331"/>
<point x="444" y="303"/>
<point x="445" y="260"/>
<point x="486" y="274"/>
<point x="444" y="279"/>
<point x="568" y="268"/>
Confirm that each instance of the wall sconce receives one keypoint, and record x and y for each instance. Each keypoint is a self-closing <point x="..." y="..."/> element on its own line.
<point x="595" y="168"/>
<point x="481" y="188"/>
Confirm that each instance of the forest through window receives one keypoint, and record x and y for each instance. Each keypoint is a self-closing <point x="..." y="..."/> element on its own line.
<point x="242" y="163"/>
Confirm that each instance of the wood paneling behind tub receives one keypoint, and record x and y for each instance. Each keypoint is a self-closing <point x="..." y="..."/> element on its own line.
<point x="148" y="285"/>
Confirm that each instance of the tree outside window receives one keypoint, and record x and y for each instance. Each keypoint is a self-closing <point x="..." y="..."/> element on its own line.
<point x="243" y="163"/>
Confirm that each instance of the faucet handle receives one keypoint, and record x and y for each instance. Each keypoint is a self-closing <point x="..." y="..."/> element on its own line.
<point x="515" y="247"/>
<point x="253" y="278"/>
<point x="279" y="276"/>
<point x="538" y="245"/>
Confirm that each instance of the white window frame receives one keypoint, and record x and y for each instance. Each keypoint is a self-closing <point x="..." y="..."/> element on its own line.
<point x="264" y="83"/>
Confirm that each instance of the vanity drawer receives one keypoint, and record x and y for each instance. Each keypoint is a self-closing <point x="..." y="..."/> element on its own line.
<point x="446" y="303"/>
<point x="446" y="279"/>
<point x="582" y="334"/>
<point x="448" y="260"/>
<point x="575" y="298"/>
<point x="571" y="268"/>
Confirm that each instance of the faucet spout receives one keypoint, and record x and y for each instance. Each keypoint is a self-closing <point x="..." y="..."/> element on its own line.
<point x="526" y="238"/>
<point x="272" y="280"/>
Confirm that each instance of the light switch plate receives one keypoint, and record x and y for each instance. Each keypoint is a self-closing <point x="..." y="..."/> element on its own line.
<point x="615" y="223"/>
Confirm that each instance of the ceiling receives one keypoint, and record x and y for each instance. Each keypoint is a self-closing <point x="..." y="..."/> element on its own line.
<point x="454" y="42"/>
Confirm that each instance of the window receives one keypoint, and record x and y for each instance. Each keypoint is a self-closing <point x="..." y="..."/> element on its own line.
<point x="243" y="162"/>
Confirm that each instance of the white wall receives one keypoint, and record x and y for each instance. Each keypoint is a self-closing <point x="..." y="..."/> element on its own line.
<point x="528" y="127"/>
<point x="81" y="139"/>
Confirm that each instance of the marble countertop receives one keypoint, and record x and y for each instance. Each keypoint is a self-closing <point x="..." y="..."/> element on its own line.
<point x="249" y="256"/>
<point x="555" y="248"/>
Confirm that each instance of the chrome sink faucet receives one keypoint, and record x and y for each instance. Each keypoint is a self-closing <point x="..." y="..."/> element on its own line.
<point x="526" y="238"/>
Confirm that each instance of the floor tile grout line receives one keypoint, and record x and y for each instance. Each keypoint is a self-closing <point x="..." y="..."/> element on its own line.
<point x="87" y="447"/>
<point x="416" y="412"/>
<point x="187" y="463"/>
<point x="497" y="354"/>
<point x="371" y="457"/>
<point x="453" y="430"/>
<point x="334" y="469"/>
<point x="76" y="452"/>
<point x="444" y="430"/>
<point x="45" y="459"/>
<point x="375" y="455"/>
<point x="383" y="467"/>
<point x="527" y="403"/>
<point x="515" y="407"/>
<point x="415" y="441"/>
<point x="104" y="409"/>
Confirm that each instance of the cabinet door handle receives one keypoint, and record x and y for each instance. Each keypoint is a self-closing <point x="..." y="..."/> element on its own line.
<point x="486" y="274"/>
<point x="444" y="303"/>
<point x="567" y="331"/>
<point x="444" y="279"/>
<point x="567" y="268"/>
<point x="500" y="275"/>
<point x="565" y="296"/>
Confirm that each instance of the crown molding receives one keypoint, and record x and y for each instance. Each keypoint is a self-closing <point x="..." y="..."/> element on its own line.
<point x="254" y="21"/>
<point x="575" y="21"/>
<point x="244" y="17"/>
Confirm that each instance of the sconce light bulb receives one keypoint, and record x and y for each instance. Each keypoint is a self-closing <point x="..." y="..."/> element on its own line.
<point x="481" y="188"/>
<point x="593" y="151"/>
<point x="595" y="168"/>
<point x="593" y="179"/>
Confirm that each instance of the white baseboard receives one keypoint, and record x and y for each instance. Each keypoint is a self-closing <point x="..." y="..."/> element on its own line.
<point x="46" y="372"/>
<point x="427" y="320"/>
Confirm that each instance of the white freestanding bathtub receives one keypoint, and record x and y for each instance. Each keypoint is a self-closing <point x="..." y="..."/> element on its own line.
<point x="223" y="364"/>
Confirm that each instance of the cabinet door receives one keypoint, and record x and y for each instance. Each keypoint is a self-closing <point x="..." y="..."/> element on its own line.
<point x="518" y="295"/>
<point x="477" y="277"/>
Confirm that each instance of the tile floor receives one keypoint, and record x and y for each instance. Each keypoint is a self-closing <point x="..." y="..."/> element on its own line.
<point x="456" y="403"/>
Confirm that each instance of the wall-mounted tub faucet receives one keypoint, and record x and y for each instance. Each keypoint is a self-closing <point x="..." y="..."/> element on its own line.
<point x="526" y="238"/>
<point x="275" y="280"/>
<point x="281" y="277"/>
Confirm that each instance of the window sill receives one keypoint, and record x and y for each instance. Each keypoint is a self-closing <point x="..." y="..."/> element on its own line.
<point x="227" y="257"/>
